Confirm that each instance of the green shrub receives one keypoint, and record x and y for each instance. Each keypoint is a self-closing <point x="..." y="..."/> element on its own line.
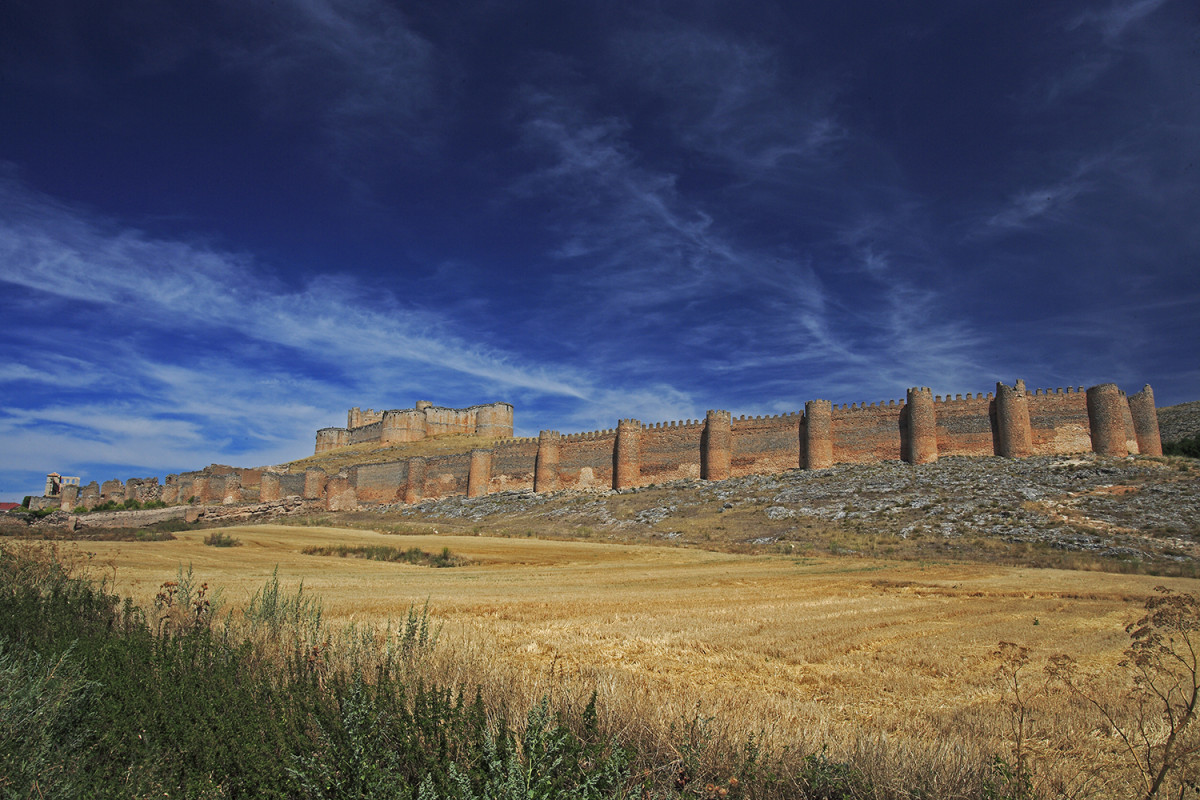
<point x="1189" y="447"/>
<point x="221" y="539"/>
<point x="412" y="555"/>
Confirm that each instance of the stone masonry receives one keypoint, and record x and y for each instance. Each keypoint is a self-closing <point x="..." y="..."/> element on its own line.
<point x="1014" y="422"/>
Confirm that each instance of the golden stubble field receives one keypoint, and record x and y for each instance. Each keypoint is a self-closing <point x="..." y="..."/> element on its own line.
<point x="844" y="653"/>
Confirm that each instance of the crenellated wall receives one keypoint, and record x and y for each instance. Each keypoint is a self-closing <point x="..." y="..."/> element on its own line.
<point x="1013" y="422"/>
<point x="399" y="425"/>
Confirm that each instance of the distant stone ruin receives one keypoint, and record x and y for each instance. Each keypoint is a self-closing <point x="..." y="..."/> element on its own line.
<point x="1013" y="422"/>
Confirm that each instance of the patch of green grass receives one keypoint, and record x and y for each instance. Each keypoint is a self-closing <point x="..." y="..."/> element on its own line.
<point x="221" y="539"/>
<point x="94" y="703"/>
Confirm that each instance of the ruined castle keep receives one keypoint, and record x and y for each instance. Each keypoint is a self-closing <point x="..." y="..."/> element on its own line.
<point x="414" y="424"/>
<point x="1012" y="422"/>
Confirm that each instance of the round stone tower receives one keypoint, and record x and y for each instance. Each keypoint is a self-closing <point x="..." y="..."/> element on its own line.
<point x="403" y="425"/>
<point x="818" y="434"/>
<point x="1013" y="432"/>
<point x="545" y="471"/>
<point x="1106" y="417"/>
<point x="494" y="420"/>
<point x="627" y="465"/>
<point x="718" y="442"/>
<point x="1145" y="422"/>
<point x="922" y="427"/>
<point x="479" y="473"/>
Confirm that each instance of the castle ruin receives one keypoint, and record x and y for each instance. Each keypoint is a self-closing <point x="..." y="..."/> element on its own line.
<point x="1012" y="422"/>
<point x="399" y="425"/>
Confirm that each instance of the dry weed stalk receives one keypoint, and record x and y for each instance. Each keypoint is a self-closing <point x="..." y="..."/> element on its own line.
<point x="1157" y="727"/>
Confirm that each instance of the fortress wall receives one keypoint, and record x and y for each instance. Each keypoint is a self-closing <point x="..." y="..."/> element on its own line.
<point x="367" y="433"/>
<point x="268" y="491"/>
<point x="670" y="451"/>
<point x="356" y="417"/>
<point x="89" y="496"/>
<point x="250" y="477"/>
<point x="340" y="494"/>
<point x="1058" y="419"/>
<point x="766" y="445"/>
<point x="440" y="420"/>
<point x="585" y="460"/>
<point x="291" y="485"/>
<point x="113" y="491"/>
<point x="1131" y="442"/>
<point x="446" y="475"/>
<point x="494" y="420"/>
<point x="1145" y="422"/>
<point x="381" y="483"/>
<point x="403" y="425"/>
<point x="964" y="425"/>
<point x="331" y="439"/>
<point x="864" y="434"/>
<point x="69" y="497"/>
<point x="513" y="465"/>
<point x="216" y="489"/>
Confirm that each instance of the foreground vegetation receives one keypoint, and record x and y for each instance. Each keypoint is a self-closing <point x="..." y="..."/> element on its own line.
<point x="394" y="555"/>
<point x="100" y="698"/>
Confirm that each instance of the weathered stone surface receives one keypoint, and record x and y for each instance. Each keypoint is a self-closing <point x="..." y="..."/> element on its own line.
<point x="400" y="425"/>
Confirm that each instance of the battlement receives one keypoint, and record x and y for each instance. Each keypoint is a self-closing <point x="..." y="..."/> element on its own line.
<point x="397" y="425"/>
<point x="1012" y="422"/>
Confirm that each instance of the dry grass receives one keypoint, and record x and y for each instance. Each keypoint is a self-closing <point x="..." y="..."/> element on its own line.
<point x="889" y="664"/>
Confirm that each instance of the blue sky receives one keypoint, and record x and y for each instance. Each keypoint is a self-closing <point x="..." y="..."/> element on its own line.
<point x="224" y="223"/>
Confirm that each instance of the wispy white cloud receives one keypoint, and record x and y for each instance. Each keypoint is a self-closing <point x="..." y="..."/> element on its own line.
<point x="357" y="66"/>
<point x="726" y="98"/>
<point x="182" y="353"/>
<point x="1049" y="203"/>
<point x="666" y="268"/>
<point x="1087" y="62"/>
<point x="336" y="321"/>
<point x="1115" y="20"/>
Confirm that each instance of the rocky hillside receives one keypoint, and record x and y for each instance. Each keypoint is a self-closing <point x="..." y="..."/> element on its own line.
<point x="1179" y="422"/>
<point x="1083" y="511"/>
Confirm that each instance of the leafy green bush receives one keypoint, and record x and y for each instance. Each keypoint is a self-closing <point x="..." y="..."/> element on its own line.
<point x="1189" y="447"/>
<point x="413" y="555"/>
<point x="94" y="703"/>
<point x="221" y="539"/>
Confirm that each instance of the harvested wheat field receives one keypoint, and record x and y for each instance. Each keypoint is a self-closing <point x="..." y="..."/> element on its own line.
<point x="889" y="663"/>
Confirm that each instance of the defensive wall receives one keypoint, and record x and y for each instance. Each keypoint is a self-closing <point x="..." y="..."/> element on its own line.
<point x="1011" y="422"/>
<point x="398" y="425"/>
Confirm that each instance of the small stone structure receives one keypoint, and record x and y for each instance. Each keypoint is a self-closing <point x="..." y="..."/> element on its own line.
<point x="1014" y="422"/>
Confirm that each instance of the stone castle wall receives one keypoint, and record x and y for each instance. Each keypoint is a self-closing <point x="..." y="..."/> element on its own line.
<point x="400" y="425"/>
<point x="1012" y="422"/>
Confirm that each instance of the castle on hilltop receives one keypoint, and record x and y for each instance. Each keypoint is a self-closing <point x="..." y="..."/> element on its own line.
<point x="1012" y="422"/>
<point x="414" y="424"/>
